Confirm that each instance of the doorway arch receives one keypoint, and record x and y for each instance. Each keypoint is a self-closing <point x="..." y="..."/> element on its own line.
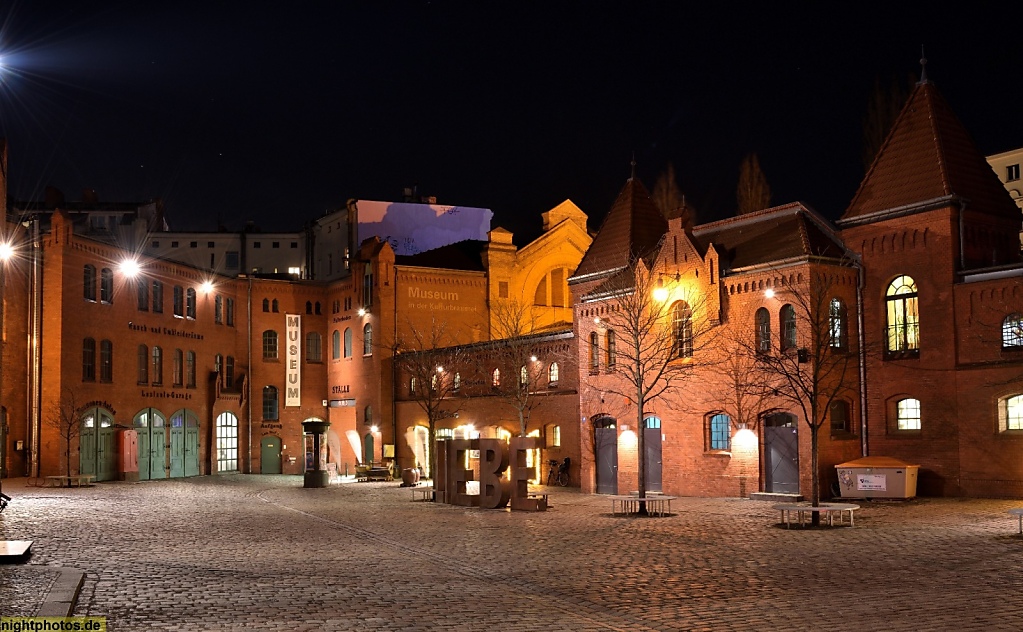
<point x="96" y="452"/>
<point x="227" y="442"/>
<point x="150" y="425"/>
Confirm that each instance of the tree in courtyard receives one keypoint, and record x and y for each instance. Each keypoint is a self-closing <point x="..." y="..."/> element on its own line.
<point x="65" y="415"/>
<point x="811" y="363"/>
<point x="521" y="347"/>
<point x="657" y="331"/>
<point x="427" y="359"/>
<point x="753" y="192"/>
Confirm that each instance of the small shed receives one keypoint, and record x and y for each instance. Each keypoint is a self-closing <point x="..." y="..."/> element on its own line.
<point x="877" y="477"/>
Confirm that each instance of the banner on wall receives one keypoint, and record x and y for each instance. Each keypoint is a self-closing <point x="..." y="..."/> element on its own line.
<point x="292" y="372"/>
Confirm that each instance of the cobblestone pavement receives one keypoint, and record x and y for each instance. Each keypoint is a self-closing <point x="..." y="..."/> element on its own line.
<point x="261" y="553"/>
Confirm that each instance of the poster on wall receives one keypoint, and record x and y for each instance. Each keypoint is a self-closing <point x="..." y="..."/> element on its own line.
<point x="292" y="351"/>
<point x="871" y="482"/>
<point x="413" y="228"/>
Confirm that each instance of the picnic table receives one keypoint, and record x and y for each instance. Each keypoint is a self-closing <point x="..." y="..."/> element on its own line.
<point x="656" y="505"/>
<point x="825" y="509"/>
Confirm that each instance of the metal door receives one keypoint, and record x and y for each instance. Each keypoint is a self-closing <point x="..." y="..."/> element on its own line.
<point x="781" y="454"/>
<point x="270" y="455"/>
<point x="157" y="453"/>
<point x="367" y="449"/>
<point x="106" y="449"/>
<point x="152" y="444"/>
<point x="605" y="439"/>
<point x="87" y="446"/>
<point x="177" y="446"/>
<point x="652" y="444"/>
<point x="191" y="445"/>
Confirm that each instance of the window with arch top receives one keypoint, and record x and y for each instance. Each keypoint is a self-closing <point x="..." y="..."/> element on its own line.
<point x="903" y="316"/>
<point x="681" y="330"/>
<point x="838" y="338"/>
<point x="763" y="330"/>
<point x="367" y="339"/>
<point x="787" y="315"/>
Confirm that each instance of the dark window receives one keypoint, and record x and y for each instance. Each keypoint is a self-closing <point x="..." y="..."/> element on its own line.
<point x="229" y="372"/>
<point x="142" y="290"/>
<point x="106" y="286"/>
<point x="156" y="244"/>
<point x="839" y="417"/>
<point x="309" y="307"/>
<point x="106" y="361"/>
<point x="317" y="308"/>
<point x="157" y="372"/>
<point x="143" y="364"/>
<point x="266" y="305"/>
<point x="594" y="353"/>
<point x="294" y="244"/>
<point x="190" y="369"/>
<point x="681" y="330"/>
<point x="89" y="360"/>
<point x="788" y="327"/>
<point x="367" y="339"/>
<point x="313" y="353"/>
<point x="269" y="345"/>
<point x="178" y="368"/>
<point x="174" y="244"/>
<point x="209" y="244"/>
<point x="274" y="307"/>
<point x="89" y="283"/>
<point x="194" y="244"/>
<point x="335" y="353"/>
<point x="157" y="297"/>
<point x="348" y="342"/>
<point x="367" y="287"/>
<point x="275" y="244"/>
<point x="763" y="331"/>
<point x="218" y="310"/>
<point x="269" y="403"/>
<point x="179" y="301"/>
<point x="230" y="312"/>
<point x="231" y="260"/>
<point x="612" y="354"/>
<point x="190" y="303"/>
<point x="256" y="244"/>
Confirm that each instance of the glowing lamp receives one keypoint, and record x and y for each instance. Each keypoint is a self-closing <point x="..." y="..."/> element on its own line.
<point x="206" y="287"/>
<point x="769" y="293"/>
<point x="130" y="267"/>
<point x="362" y="311"/>
<point x="374" y="429"/>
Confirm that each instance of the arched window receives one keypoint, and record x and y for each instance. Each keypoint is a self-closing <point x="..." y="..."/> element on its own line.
<point x="552" y="374"/>
<point x="348" y="342"/>
<point x="763" y="330"/>
<point x="274" y="306"/>
<point x="89" y="360"/>
<point x="190" y="303"/>
<point x="143" y="364"/>
<point x="839" y="414"/>
<point x="270" y="403"/>
<point x="1012" y="331"/>
<point x="540" y="295"/>
<point x="309" y="307"/>
<point x="179" y="361"/>
<point x="523" y="376"/>
<point x="612" y="354"/>
<point x="89" y="283"/>
<point x="367" y="339"/>
<point x="269" y="345"/>
<point x="594" y="353"/>
<point x="907" y="414"/>
<point x="229" y="372"/>
<point x="681" y="330"/>
<point x="266" y="305"/>
<point x="157" y="297"/>
<point x="106" y="286"/>
<point x="903" y="316"/>
<point x="788" y="327"/>
<point x="179" y="301"/>
<point x="313" y="353"/>
<point x="190" y="369"/>
<point x="335" y="345"/>
<point x="456" y="384"/>
<point x="106" y="361"/>
<point x="495" y="378"/>
<point x="317" y="308"/>
<point x="367" y="415"/>
<point x="218" y="366"/>
<point x="719" y="432"/>
<point x="838" y="339"/>
<point x="157" y="363"/>
<point x="1010" y="412"/>
<point x="218" y="309"/>
<point x="142" y="292"/>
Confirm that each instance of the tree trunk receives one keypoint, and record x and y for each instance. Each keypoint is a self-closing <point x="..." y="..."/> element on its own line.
<point x="641" y="456"/>
<point x="815" y="479"/>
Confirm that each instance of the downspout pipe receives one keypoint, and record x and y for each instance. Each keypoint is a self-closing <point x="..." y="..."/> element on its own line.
<point x="861" y="337"/>
<point x="248" y="381"/>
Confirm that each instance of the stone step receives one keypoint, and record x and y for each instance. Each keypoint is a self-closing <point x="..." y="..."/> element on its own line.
<point x="14" y="550"/>
<point x="782" y="498"/>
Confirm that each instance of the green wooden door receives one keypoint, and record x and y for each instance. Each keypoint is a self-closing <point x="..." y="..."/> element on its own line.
<point x="270" y="455"/>
<point x="157" y="453"/>
<point x="106" y="450"/>
<point x="87" y="447"/>
<point x="191" y="445"/>
<point x="177" y="446"/>
<point x="367" y="449"/>
<point x="143" y="448"/>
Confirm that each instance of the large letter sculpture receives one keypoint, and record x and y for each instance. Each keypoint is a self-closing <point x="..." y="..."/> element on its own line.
<point x="458" y="476"/>
<point x="520" y="475"/>
<point x="493" y="462"/>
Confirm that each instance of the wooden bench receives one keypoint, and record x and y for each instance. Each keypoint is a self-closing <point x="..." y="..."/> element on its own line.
<point x="76" y="480"/>
<point x="422" y="493"/>
<point x="825" y="509"/>
<point x="658" y="505"/>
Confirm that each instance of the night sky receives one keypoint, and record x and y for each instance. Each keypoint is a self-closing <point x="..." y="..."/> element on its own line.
<point x="278" y="112"/>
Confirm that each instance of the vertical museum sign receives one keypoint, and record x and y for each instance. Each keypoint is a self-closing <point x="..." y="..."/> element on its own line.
<point x="293" y="375"/>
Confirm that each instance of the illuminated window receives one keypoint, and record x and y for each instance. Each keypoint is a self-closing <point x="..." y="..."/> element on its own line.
<point x="456" y="384"/>
<point x="1012" y="331"/>
<point x="681" y="330"/>
<point x="837" y="325"/>
<point x="903" y="316"/>
<point x="1011" y="412"/>
<point x="907" y="414"/>
<point x="553" y="436"/>
<point x="719" y="432"/>
<point x="523" y="376"/>
<point x="552" y="374"/>
<point x="348" y="342"/>
<point x="295" y="271"/>
<point x="495" y="378"/>
<point x="227" y="442"/>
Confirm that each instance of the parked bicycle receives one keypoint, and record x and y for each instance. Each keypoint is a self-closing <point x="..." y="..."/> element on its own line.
<point x="4" y="499"/>
<point x="558" y="472"/>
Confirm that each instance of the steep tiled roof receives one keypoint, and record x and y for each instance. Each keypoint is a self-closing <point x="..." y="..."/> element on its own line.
<point x="632" y="228"/>
<point x="791" y="231"/>
<point x="928" y="155"/>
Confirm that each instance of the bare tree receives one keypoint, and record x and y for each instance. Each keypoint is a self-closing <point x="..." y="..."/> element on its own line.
<point x="658" y="330"/>
<point x="520" y="346"/>
<point x="668" y="197"/>
<point x="753" y="192"/>
<point x="811" y="361"/>
<point x="431" y="366"/>
<point x="740" y="388"/>
<point x="65" y="415"/>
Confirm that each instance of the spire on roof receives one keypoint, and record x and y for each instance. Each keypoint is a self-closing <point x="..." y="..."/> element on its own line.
<point x="633" y="164"/>
<point x="923" y="65"/>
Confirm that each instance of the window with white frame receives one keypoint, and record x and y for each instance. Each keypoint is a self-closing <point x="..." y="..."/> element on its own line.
<point x="1010" y="413"/>
<point x="1012" y="331"/>
<point x="907" y="414"/>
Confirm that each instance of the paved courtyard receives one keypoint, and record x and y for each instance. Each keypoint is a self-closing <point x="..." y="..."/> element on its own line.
<point x="261" y="553"/>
